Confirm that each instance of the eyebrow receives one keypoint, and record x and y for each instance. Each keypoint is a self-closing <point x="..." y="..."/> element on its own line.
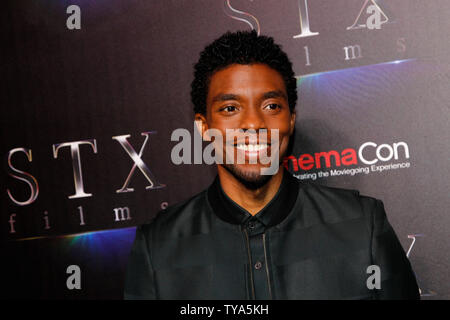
<point x="266" y="95"/>
<point x="274" y="94"/>
<point x="225" y="97"/>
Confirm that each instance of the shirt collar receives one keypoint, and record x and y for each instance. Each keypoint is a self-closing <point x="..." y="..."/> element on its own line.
<point x="272" y="214"/>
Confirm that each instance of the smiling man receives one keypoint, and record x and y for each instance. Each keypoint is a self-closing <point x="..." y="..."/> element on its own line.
<point x="253" y="235"/>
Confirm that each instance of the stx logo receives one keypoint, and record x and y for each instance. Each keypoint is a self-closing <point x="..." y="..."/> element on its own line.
<point x="123" y="211"/>
<point x="371" y="16"/>
<point x="74" y="147"/>
<point x="355" y="52"/>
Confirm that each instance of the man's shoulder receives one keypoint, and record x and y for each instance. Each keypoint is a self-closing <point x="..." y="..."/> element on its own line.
<point x="336" y="202"/>
<point x="324" y="192"/>
<point x="330" y="203"/>
<point x="317" y="188"/>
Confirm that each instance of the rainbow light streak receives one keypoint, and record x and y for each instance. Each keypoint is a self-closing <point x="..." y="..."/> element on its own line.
<point x="102" y="246"/>
<point x="87" y="236"/>
<point x="302" y="77"/>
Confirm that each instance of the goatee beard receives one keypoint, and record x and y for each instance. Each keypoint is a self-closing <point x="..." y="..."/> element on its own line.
<point x="251" y="180"/>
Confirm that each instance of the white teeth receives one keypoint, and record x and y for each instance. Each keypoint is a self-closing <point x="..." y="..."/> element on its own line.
<point x="251" y="147"/>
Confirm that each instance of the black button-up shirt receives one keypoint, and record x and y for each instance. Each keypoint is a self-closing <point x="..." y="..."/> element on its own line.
<point x="309" y="242"/>
<point x="254" y="228"/>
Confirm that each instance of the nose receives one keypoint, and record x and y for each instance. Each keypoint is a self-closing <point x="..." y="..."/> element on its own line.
<point x="252" y="118"/>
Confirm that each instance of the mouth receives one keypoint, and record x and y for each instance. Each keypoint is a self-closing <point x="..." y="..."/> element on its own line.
<point x="252" y="147"/>
<point x="252" y="153"/>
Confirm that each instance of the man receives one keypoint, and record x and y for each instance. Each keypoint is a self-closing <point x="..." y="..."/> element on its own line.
<point x="263" y="236"/>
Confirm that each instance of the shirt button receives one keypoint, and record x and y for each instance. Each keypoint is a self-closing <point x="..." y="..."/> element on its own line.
<point x="258" y="265"/>
<point x="251" y="225"/>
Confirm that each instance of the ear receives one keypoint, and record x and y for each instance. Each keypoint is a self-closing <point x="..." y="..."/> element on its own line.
<point x="202" y="126"/>
<point x="292" y="122"/>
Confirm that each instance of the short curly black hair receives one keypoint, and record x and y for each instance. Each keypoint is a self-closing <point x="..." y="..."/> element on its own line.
<point x="241" y="47"/>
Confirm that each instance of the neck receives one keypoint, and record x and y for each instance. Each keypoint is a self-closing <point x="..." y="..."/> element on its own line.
<point x="251" y="200"/>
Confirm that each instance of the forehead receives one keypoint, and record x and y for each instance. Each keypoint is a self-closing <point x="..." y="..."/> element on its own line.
<point x="245" y="79"/>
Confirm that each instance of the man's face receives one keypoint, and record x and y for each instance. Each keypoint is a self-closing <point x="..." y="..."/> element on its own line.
<point x="249" y="97"/>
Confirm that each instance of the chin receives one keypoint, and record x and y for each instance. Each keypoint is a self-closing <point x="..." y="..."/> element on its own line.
<point x="249" y="175"/>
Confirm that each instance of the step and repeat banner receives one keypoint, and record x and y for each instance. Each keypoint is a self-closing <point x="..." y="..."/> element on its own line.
<point x="92" y="91"/>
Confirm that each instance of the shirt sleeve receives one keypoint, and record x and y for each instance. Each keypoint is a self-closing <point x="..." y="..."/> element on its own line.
<point x="398" y="281"/>
<point x="139" y="277"/>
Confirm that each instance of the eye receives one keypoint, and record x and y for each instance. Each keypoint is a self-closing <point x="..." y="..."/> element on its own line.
<point x="272" y="107"/>
<point x="229" y="109"/>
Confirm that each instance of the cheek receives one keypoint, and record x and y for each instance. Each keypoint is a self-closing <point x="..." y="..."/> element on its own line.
<point x="284" y="133"/>
<point x="284" y="143"/>
<point x="283" y="126"/>
<point x="223" y="124"/>
<point x="218" y="125"/>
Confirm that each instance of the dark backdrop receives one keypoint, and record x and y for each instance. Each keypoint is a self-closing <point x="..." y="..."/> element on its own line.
<point x="128" y="70"/>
